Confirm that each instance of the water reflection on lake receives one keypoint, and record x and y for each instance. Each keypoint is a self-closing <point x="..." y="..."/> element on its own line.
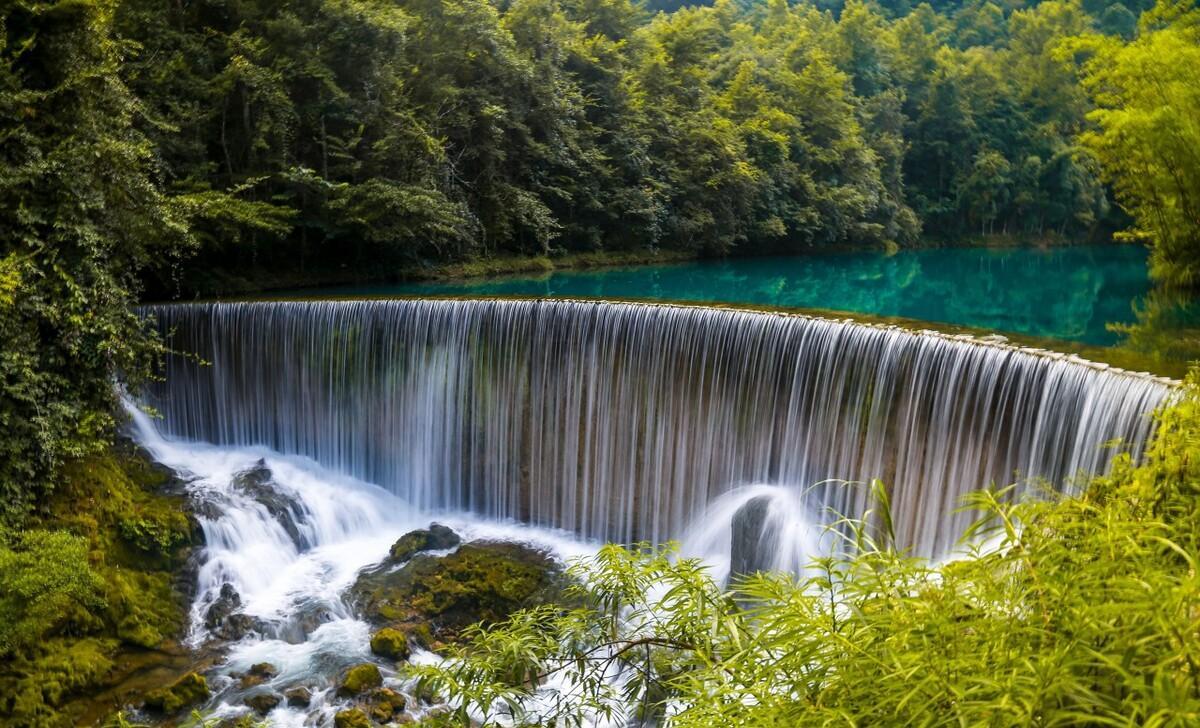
<point x="1070" y="294"/>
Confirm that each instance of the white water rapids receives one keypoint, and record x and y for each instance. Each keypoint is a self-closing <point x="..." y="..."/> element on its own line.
<point x="297" y="589"/>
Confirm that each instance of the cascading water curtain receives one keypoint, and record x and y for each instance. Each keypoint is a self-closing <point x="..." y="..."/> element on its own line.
<point x="622" y="421"/>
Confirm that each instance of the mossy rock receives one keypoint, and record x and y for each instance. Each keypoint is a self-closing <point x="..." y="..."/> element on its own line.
<point x="352" y="718"/>
<point x="385" y="703"/>
<point x="258" y="674"/>
<point x="435" y="538"/>
<point x="481" y="581"/>
<point x="391" y="643"/>
<point x="263" y="703"/>
<point x="359" y="679"/>
<point x="187" y="691"/>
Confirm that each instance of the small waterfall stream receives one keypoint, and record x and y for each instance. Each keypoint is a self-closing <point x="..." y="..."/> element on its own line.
<point x="626" y="422"/>
<point x="289" y="537"/>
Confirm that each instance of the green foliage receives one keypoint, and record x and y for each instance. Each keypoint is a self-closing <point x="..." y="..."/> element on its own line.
<point x="1147" y="135"/>
<point x="44" y="579"/>
<point x="79" y="215"/>
<point x="87" y="591"/>
<point x="1080" y="610"/>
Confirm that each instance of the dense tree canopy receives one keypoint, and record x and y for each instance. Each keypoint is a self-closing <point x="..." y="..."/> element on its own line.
<point x="80" y="212"/>
<point x="363" y="137"/>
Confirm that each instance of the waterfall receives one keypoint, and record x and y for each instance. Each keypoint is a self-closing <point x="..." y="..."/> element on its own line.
<point x="624" y="422"/>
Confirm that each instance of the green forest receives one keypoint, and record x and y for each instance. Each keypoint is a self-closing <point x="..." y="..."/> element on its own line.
<point x="157" y="151"/>
<point x="368" y="138"/>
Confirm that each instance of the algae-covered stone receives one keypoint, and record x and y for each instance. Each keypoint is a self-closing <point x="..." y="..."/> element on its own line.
<point x="353" y="718"/>
<point x="435" y="538"/>
<point x="481" y="581"/>
<point x="298" y="697"/>
<point x="264" y="669"/>
<point x="385" y="703"/>
<point x="258" y="674"/>
<point x="189" y="690"/>
<point x="391" y="643"/>
<point x="263" y="703"/>
<point x="360" y="679"/>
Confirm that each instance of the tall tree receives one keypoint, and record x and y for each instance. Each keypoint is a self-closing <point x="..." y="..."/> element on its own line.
<point x="1147" y="133"/>
<point x="80" y="214"/>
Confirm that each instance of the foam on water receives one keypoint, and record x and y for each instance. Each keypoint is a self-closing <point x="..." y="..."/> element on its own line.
<point x="344" y="525"/>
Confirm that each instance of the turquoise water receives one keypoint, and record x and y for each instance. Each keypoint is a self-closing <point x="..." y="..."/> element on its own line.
<point x="1062" y="293"/>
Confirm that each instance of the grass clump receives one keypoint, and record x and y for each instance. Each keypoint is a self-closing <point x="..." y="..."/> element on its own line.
<point x="1083" y="611"/>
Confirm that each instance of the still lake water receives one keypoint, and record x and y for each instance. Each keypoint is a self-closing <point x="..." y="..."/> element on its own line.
<point x="1068" y="293"/>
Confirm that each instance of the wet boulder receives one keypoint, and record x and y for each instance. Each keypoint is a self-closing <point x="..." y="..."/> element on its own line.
<point x="225" y="621"/>
<point x="352" y="718"/>
<point x="238" y="626"/>
<point x="749" y="528"/>
<point x="258" y="674"/>
<point x="263" y="703"/>
<point x="298" y="697"/>
<point x="359" y="679"/>
<point x="481" y="581"/>
<point x="435" y="538"/>
<point x="391" y="643"/>
<point x="227" y="603"/>
<point x="303" y="622"/>
<point x="258" y="483"/>
<point x="384" y="704"/>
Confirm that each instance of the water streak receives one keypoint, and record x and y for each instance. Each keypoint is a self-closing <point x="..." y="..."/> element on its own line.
<point x="626" y="421"/>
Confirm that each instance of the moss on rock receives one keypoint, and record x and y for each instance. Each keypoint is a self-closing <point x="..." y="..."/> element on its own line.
<point x="481" y="581"/>
<point x="187" y="691"/>
<point x="132" y="522"/>
<point x="435" y="538"/>
<point x="391" y="643"/>
<point x="359" y="679"/>
<point x="263" y="703"/>
<point x="385" y="704"/>
<point x="298" y="697"/>
<point x="352" y="718"/>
